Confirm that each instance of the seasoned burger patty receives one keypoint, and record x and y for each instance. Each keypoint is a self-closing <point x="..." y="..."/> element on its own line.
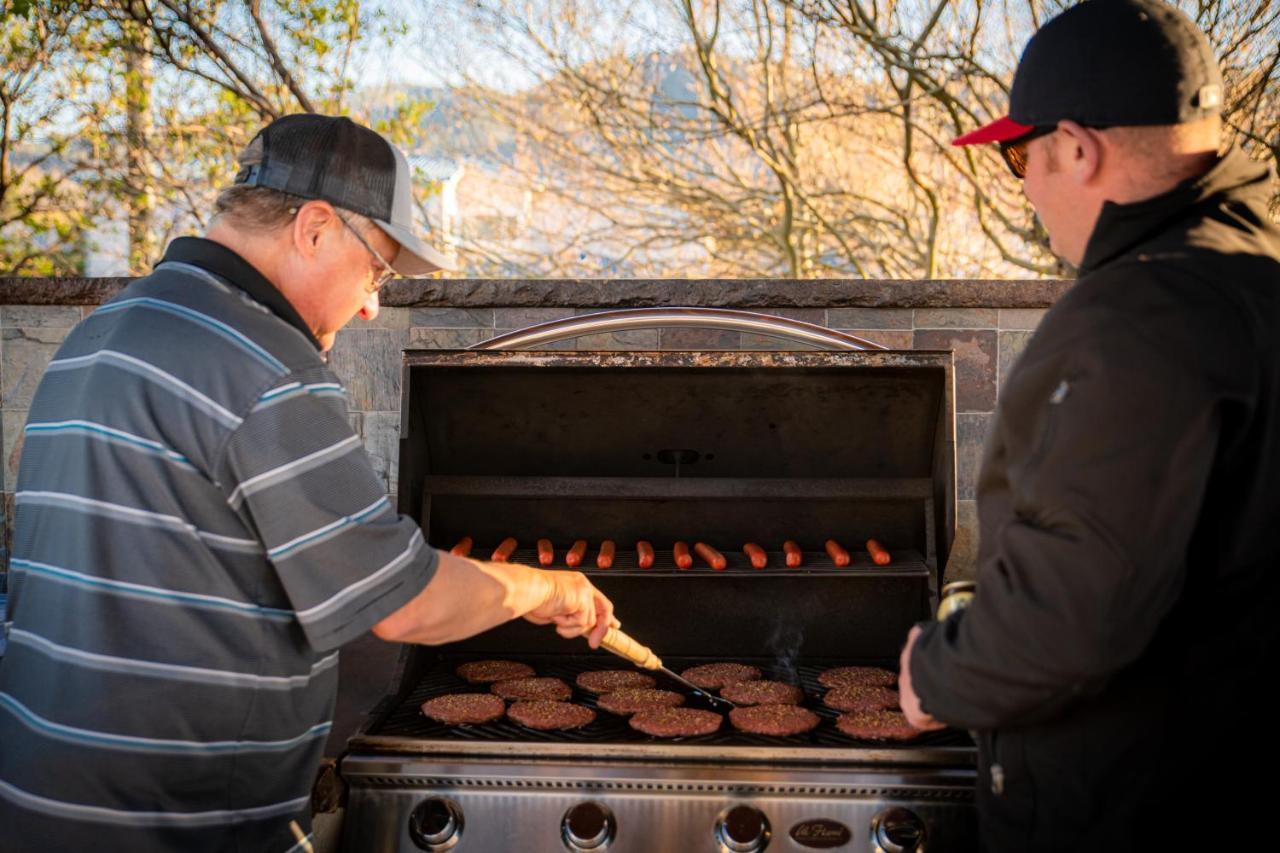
<point x="489" y="671"/>
<point x="550" y="715"/>
<point x="876" y="725"/>
<point x="633" y="699"/>
<point x="713" y="676"/>
<point x="843" y="676"/>
<point x="676" y="722"/>
<point x="763" y="693"/>
<point x="460" y="709"/>
<point x="609" y="680"/>
<point x="532" y="688"/>
<point x="861" y="697"/>
<point x="779" y="720"/>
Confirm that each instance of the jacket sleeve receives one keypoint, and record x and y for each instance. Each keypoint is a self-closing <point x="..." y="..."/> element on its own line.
<point x="1092" y="555"/>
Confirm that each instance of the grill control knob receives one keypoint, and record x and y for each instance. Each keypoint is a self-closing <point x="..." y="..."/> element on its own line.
<point x="587" y="826"/>
<point x="742" y="829"/>
<point x="435" y="824"/>
<point x="897" y="830"/>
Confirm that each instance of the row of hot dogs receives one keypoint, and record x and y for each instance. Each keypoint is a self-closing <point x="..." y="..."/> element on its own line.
<point x="683" y="555"/>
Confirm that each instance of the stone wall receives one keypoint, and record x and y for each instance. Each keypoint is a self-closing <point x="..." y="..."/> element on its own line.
<point x="986" y="323"/>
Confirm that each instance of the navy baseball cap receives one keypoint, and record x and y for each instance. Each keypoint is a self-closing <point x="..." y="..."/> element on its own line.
<point x="352" y="167"/>
<point x="1110" y="63"/>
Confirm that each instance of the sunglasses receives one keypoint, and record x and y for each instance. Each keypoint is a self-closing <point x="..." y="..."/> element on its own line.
<point x="1014" y="151"/>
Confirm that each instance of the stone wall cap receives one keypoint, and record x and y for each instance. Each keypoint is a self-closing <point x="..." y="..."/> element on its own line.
<point x="630" y="293"/>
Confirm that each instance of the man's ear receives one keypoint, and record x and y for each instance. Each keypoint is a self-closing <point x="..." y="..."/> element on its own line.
<point x="1080" y="151"/>
<point x="312" y="225"/>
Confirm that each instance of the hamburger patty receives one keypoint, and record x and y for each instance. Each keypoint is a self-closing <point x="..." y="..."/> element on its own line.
<point x="861" y="697"/>
<point x="546" y="715"/>
<point x="489" y="671"/>
<point x="609" y="680"/>
<point x="460" y="709"/>
<point x="781" y="720"/>
<point x="763" y="693"/>
<point x="876" y="725"/>
<point x="634" y="699"/>
<point x="713" y="676"/>
<point x="532" y="688"/>
<point x="676" y="722"/>
<point x="844" y="676"/>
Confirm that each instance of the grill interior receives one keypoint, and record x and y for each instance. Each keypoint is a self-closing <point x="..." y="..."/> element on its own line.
<point x="406" y="720"/>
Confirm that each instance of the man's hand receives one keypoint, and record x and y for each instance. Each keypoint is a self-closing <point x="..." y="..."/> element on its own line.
<point x="907" y="697"/>
<point x="575" y="606"/>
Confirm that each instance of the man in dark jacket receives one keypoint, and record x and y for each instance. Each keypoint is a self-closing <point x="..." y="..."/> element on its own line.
<point x="1129" y="563"/>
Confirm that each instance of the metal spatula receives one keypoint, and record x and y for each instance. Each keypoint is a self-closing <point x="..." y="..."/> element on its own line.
<point x="624" y="646"/>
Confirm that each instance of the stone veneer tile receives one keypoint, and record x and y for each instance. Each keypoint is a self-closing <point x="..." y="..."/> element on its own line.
<point x="24" y="354"/>
<point x="6" y="537"/>
<point x="11" y="423"/>
<point x="869" y="318"/>
<point x="636" y="339"/>
<point x="768" y="343"/>
<point x="451" y="317"/>
<point x="963" y="562"/>
<point x="971" y="440"/>
<point x="1026" y="319"/>
<point x="382" y="440"/>
<point x="892" y="338"/>
<point x="368" y="363"/>
<point x="518" y="318"/>
<point x="388" y="318"/>
<point x="817" y="316"/>
<point x="956" y="318"/>
<point x="975" y="360"/>
<point x="1011" y="346"/>
<point x="699" y="339"/>
<point x="447" y="338"/>
<point x="33" y="316"/>
<point x="562" y="346"/>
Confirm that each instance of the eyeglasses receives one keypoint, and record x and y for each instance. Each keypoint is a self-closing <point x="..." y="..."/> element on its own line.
<point x="386" y="272"/>
<point x="1014" y="151"/>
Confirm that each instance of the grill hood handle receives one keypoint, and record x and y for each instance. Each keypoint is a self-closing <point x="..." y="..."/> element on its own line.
<point x="654" y="318"/>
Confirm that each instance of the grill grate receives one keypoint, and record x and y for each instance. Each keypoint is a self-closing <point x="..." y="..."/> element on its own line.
<point x="406" y="719"/>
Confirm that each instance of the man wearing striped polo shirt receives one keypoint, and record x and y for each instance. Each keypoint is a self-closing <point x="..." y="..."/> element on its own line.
<point x="198" y="529"/>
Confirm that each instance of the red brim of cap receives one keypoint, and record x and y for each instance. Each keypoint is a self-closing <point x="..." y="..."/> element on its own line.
<point x="1000" y="130"/>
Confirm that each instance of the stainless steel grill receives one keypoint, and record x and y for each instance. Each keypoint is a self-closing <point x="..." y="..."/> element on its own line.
<point x="720" y="447"/>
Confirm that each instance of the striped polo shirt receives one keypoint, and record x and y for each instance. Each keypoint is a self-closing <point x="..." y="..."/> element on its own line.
<point x="198" y="529"/>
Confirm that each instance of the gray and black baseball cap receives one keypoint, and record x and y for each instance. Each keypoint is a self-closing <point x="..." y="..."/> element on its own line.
<point x="1110" y="63"/>
<point x="352" y="167"/>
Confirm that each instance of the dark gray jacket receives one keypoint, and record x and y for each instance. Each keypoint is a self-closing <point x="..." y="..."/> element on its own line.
<point x="1129" y="507"/>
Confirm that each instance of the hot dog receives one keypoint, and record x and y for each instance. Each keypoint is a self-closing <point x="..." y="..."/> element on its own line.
<point x="759" y="559"/>
<point x="504" y="550"/>
<point x="838" y="554"/>
<point x="681" y="552"/>
<point x="878" y="553"/>
<point x="463" y="548"/>
<point x="573" y="559"/>
<point x="546" y="554"/>
<point x="794" y="555"/>
<point x="644" y="554"/>
<point x="713" y="557"/>
<point x="604" y="560"/>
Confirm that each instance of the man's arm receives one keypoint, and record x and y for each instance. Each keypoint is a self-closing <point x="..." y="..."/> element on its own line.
<point x="466" y="597"/>
<point x="1093" y="554"/>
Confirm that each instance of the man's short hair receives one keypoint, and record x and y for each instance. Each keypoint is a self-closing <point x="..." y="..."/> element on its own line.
<point x="256" y="208"/>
